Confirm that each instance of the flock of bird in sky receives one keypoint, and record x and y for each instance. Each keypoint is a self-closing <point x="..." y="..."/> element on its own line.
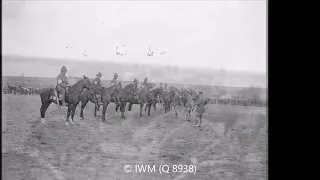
<point x="120" y="51"/>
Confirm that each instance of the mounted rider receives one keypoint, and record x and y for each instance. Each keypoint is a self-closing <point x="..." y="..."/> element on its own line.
<point x="62" y="83"/>
<point x="97" y="87"/>
<point x="114" y="82"/>
<point x="158" y="97"/>
<point x="165" y="87"/>
<point x="144" y="83"/>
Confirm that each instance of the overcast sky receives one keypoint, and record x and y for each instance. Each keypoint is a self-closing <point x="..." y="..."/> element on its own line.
<point x="210" y="34"/>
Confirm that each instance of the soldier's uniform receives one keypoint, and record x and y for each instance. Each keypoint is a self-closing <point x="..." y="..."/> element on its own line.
<point x="97" y="86"/>
<point x="159" y="97"/>
<point x="199" y="109"/>
<point x="176" y="103"/>
<point x="165" y="87"/>
<point x="62" y="83"/>
<point x="135" y="83"/>
<point x="114" y="82"/>
<point x="144" y="84"/>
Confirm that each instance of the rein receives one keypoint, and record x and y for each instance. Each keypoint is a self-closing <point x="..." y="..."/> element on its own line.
<point x="79" y="91"/>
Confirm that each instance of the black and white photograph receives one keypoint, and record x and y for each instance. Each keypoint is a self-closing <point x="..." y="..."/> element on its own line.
<point x="141" y="90"/>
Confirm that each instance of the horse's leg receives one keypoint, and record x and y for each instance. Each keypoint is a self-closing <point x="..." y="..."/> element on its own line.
<point x="68" y="113"/>
<point x="73" y="110"/>
<point x="83" y="105"/>
<point x="104" y="110"/>
<point x="145" y="109"/>
<point x="176" y="111"/>
<point x="95" y="111"/>
<point x="141" y="107"/>
<point x="149" y="108"/>
<point x="186" y="115"/>
<point x="155" y="106"/>
<point x="43" y="109"/>
<point x="122" y="109"/>
<point x="129" y="109"/>
<point x="115" y="113"/>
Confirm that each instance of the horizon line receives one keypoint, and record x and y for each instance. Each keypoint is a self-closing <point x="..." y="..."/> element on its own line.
<point x="151" y="82"/>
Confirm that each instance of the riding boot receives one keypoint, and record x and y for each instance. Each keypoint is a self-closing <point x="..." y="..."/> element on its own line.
<point x="63" y="98"/>
<point x="116" y="100"/>
<point x="56" y="97"/>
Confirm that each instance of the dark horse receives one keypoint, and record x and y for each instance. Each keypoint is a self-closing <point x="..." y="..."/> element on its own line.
<point x="72" y="98"/>
<point x="85" y="97"/>
<point x="151" y="98"/>
<point x="106" y="95"/>
<point x="141" y="99"/>
<point x="127" y="93"/>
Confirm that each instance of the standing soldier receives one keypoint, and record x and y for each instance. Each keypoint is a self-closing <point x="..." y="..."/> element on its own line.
<point x="62" y="83"/>
<point x="97" y="87"/>
<point x="199" y="109"/>
<point x="114" y="82"/>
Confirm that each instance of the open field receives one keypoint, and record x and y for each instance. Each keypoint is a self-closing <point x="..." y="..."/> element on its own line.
<point x="232" y="143"/>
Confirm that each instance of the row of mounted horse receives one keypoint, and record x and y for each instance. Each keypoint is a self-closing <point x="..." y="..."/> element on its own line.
<point x="20" y="90"/>
<point x="131" y="95"/>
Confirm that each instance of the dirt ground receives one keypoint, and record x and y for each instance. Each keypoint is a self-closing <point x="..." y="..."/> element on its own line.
<point x="232" y="143"/>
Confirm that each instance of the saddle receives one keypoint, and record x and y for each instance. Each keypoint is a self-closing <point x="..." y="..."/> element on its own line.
<point x="59" y="92"/>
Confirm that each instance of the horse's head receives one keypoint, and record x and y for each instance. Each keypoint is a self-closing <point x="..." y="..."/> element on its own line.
<point x="86" y="83"/>
<point x="150" y="86"/>
<point x="134" y="91"/>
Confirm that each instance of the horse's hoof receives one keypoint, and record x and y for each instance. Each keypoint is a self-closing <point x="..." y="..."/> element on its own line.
<point x="72" y="122"/>
<point x="82" y="118"/>
<point x="67" y="124"/>
<point x="43" y="120"/>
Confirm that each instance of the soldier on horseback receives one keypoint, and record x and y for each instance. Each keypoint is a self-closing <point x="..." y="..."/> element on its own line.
<point x="62" y="83"/>
<point x="144" y="84"/>
<point x="97" y="86"/>
<point x="165" y="87"/>
<point x="114" y="82"/>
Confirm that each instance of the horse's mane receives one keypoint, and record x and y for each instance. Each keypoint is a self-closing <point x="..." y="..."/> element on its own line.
<point x="119" y="83"/>
<point x="73" y="80"/>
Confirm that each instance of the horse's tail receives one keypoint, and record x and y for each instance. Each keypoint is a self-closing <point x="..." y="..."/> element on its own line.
<point x="45" y="94"/>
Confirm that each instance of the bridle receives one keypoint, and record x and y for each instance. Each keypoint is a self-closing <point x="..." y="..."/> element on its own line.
<point x="79" y="91"/>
